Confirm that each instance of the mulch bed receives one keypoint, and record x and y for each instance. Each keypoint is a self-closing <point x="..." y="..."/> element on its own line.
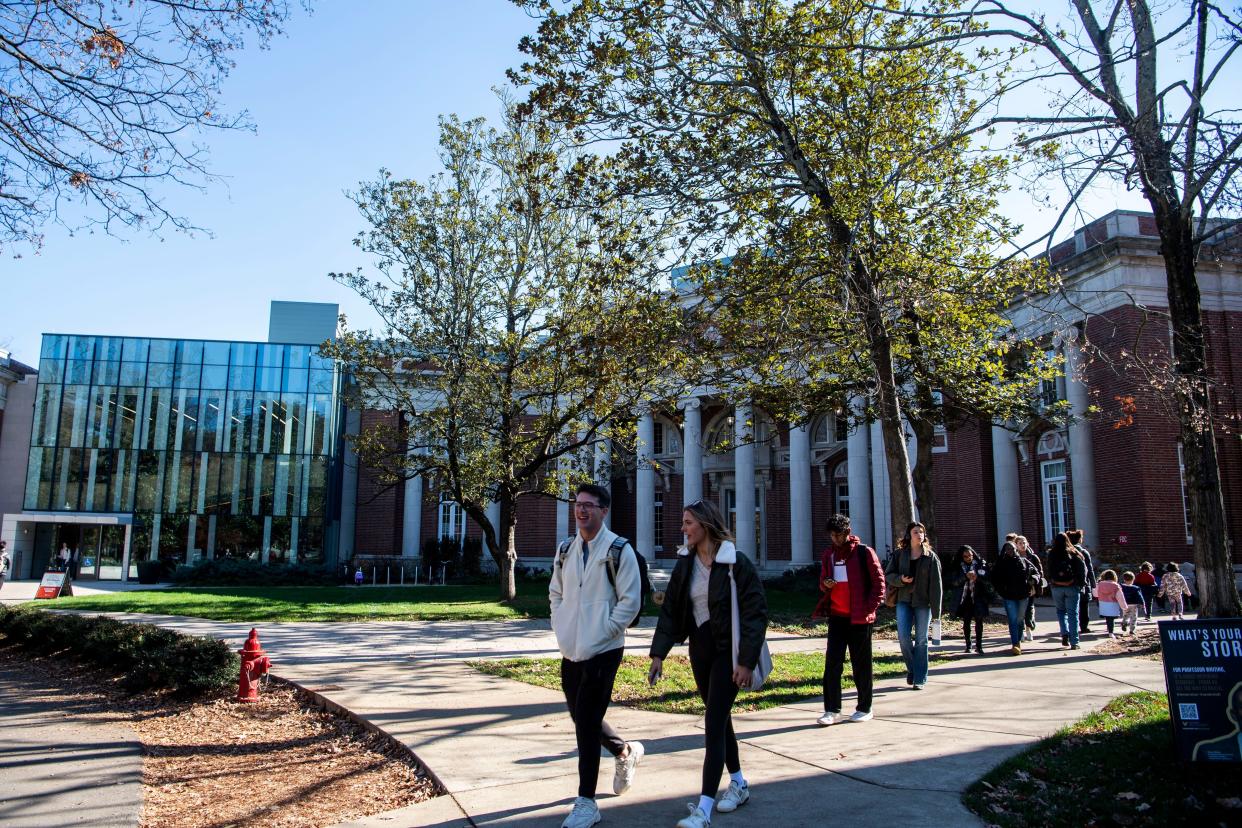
<point x="214" y="763"/>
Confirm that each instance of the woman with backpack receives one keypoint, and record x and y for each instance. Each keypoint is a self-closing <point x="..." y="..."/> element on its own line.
<point x="968" y="580"/>
<point x="698" y="604"/>
<point x="1067" y="573"/>
<point x="913" y="572"/>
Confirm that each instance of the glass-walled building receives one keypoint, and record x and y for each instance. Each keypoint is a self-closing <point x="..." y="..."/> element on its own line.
<point x="183" y="450"/>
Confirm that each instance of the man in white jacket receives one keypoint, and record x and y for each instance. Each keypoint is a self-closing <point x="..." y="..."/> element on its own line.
<point x="590" y="616"/>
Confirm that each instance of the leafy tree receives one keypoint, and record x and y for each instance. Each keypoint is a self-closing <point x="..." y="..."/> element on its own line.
<point x="1145" y="94"/>
<point x="97" y="98"/>
<point x="866" y="224"/>
<point x="525" y="318"/>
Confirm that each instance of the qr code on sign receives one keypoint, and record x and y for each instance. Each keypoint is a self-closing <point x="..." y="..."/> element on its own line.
<point x="1188" y="712"/>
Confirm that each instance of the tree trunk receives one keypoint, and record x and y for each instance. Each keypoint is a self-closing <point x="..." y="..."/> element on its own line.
<point x="504" y="556"/>
<point x="1216" y="586"/>
<point x="901" y="506"/>
<point x="924" y="488"/>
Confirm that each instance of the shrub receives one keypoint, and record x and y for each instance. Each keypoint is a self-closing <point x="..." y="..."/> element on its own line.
<point x="146" y="655"/>
<point x="245" y="572"/>
<point x="149" y="572"/>
<point x="797" y="579"/>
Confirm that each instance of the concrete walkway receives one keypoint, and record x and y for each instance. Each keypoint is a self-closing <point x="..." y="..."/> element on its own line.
<point x="62" y="763"/>
<point x="505" y="750"/>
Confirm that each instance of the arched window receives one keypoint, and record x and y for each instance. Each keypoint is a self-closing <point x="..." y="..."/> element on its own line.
<point x="829" y="430"/>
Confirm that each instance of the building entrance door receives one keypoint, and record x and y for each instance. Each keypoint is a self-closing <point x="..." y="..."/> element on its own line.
<point x="87" y="554"/>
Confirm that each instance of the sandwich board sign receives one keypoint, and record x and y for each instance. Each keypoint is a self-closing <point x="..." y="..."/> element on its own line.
<point x="52" y="585"/>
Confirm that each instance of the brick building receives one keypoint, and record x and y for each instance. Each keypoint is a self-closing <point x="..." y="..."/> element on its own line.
<point x="1116" y="473"/>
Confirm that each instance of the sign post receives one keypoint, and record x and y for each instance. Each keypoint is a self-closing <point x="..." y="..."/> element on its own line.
<point x="1203" y="674"/>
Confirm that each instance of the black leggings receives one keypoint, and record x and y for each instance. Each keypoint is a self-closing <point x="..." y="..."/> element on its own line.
<point x="713" y="675"/>
<point x="588" y="690"/>
<point x="978" y="622"/>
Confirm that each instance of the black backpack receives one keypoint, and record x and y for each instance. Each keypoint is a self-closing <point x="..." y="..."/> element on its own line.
<point x="614" y="560"/>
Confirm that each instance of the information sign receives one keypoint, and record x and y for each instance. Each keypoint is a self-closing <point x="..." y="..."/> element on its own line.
<point x="1203" y="674"/>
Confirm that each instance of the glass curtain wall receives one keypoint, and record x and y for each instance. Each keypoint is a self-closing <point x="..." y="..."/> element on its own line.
<point x="219" y="449"/>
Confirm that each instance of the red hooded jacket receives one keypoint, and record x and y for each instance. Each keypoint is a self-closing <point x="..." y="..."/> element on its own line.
<point x="863" y="601"/>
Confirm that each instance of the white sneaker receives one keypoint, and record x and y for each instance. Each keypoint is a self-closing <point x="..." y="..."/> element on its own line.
<point x="584" y="815"/>
<point x="1029" y="636"/>
<point x="627" y="768"/>
<point x="829" y="718"/>
<point x="736" y="796"/>
<point x="860" y="716"/>
<point x="697" y="818"/>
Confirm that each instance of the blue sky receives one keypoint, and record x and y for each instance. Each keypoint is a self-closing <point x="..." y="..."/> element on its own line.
<point x="351" y="88"/>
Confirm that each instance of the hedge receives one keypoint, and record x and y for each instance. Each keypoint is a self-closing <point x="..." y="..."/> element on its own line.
<point x="146" y="656"/>
<point x="245" y="572"/>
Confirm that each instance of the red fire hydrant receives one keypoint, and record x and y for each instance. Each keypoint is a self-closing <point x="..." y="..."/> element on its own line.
<point x="254" y="663"/>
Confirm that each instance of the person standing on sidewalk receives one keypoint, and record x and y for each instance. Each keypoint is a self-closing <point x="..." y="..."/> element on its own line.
<point x="968" y="579"/>
<point x="698" y="604"/>
<point x="4" y="562"/>
<point x="1012" y="578"/>
<point x="1088" y="590"/>
<point x="914" y="572"/>
<point x="1067" y="572"/>
<point x="852" y="582"/>
<point x="590" y="614"/>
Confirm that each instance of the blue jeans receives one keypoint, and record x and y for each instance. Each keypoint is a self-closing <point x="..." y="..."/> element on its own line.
<point x="1015" y="611"/>
<point x="1066" y="601"/>
<point x="914" y="646"/>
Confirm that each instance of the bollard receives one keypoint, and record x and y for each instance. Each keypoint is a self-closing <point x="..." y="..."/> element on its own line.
<point x="387" y="576"/>
<point x="372" y="574"/>
<point x="403" y="575"/>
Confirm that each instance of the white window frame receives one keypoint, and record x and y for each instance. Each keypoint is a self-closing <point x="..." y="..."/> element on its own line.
<point x="658" y="509"/>
<point x="1181" y="476"/>
<point x="451" y="513"/>
<point x="1062" y="493"/>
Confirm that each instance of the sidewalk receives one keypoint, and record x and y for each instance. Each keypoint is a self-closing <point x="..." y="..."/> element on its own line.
<point x="505" y="750"/>
<point x="60" y="764"/>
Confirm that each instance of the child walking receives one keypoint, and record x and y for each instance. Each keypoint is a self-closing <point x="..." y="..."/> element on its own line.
<point x="1134" y="600"/>
<point x="1146" y="582"/>
<point x="1173" y="588"/>
<point x="1112" y="599"/>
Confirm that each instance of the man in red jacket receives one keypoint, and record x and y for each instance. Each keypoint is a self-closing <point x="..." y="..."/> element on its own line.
<point x="852" y="582"/>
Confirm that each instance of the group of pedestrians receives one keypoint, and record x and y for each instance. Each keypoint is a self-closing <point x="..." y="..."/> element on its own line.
<point x="715" y="601"/>
<point x="714" y="598"/>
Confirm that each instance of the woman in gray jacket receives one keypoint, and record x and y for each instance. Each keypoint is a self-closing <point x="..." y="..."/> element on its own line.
<point x="913" y="572"/>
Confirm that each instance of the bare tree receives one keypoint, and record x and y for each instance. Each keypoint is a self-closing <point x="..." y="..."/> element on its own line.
<point x="1176" y="140"/>
<point x="100" y="101"/>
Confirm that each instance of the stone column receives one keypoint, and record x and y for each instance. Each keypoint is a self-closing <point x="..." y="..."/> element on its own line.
<point x="800" y="496"/>
<point x="881" y="509"/>
<point x="858" y="465"/>
<point x="493" y="515"/>
<point x="644" y="490"/>
<point x="1082" y="457"/>
<point x="603" y="471"/>
<point x="412" y="517"/>
<point x="692" y="453"/>
<point x="1005" y="484"/>
<point x="744" y="480"/>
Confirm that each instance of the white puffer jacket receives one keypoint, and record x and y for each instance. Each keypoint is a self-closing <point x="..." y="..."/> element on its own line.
<point x="587" y="615"/>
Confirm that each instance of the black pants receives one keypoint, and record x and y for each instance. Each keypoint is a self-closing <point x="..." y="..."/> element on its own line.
<point x="713" y="675"/>
<point x="1084" y="611"/>
<point x="978" y="625"/>
<point x="857" y="638"/>
<point x="1030" y="610"/>
<point x="588" y="691"/>
<point x="1110" y="622"/>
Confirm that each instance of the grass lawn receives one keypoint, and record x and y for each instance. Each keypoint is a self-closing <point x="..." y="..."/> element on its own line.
<point x="1114" y="767"/>
<point x="796" y="677"/>
<point x="254" y="604"/>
